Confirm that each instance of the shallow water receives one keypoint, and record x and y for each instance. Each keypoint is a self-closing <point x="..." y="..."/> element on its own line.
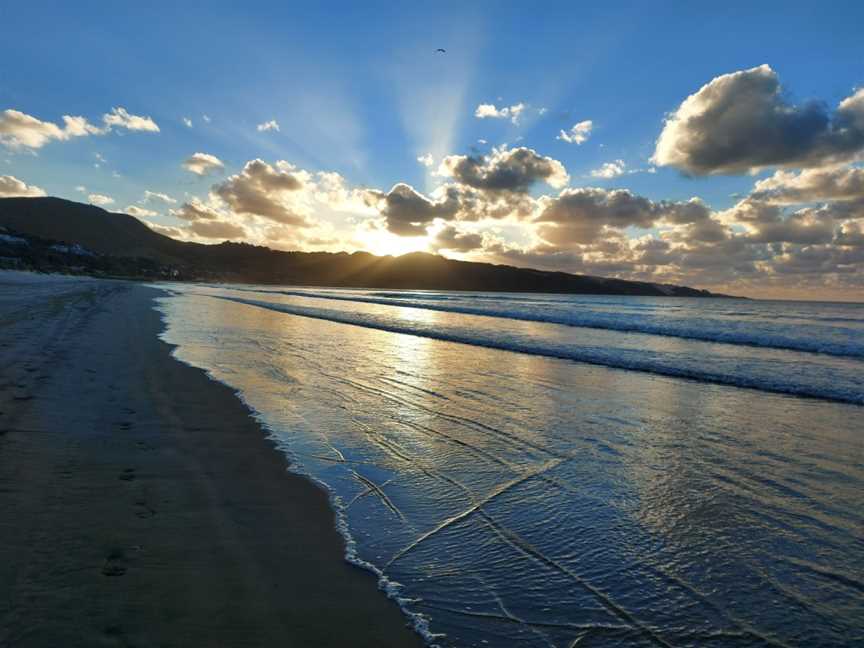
<point x="534" y="471"/>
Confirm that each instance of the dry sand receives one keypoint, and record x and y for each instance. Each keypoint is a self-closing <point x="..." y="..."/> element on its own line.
<point x="140" y="505"/>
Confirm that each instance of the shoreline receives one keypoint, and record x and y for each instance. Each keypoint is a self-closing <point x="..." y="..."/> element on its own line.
<point x="144" y="504"/>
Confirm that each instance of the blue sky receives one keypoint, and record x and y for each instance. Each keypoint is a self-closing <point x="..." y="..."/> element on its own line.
<point x="359" y="90"/>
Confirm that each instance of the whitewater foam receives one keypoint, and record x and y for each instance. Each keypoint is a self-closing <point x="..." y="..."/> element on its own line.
<point x="633" y="360"/>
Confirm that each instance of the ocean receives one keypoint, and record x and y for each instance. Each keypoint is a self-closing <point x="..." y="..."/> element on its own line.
<point x="559" y="470"/>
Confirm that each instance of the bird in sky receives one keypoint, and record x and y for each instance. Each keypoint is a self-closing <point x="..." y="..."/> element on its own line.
<point x="442" y="50"/>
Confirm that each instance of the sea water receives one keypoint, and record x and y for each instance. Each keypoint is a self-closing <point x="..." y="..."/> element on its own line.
<point x="551" y="470"/>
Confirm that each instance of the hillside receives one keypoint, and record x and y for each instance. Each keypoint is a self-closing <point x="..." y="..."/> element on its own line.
<point x="121" y="235"/>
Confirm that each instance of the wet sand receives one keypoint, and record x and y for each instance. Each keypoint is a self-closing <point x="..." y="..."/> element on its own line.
<point x="142" y="506"/>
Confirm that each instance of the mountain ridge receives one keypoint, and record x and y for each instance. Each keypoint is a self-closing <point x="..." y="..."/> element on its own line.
<point x="123" y="235"/>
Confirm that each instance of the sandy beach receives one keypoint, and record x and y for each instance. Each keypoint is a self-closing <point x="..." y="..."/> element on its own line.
<point x="142" y="506"/>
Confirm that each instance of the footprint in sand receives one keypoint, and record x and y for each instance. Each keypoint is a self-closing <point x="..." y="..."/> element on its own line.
<point x="143" y="510"/>
<point x="113" y="565"/>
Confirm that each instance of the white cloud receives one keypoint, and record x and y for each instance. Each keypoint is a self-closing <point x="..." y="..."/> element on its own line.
<point x="10" y="187"/>
<point x="140" y="212"/>
<point x="811" y="185"/>
<point x="271" y="125"/>
<point x="100" y="199"/>
<point x="154" y="196"/>
<point x="187" y="122"/>
<point x="578" y="133"/>
<point x="426" y="160"/>
<point x="206" y="118"/>
<point x="20" y="130"/>
<point x="610" y="170"/>
<point x="202" y="164"/>
<point x="81" y="189"/>
<point x="120" y="118"/>
<point x="490" y="111"/>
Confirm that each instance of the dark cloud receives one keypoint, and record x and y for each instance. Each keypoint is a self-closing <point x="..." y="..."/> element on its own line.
<point x="453" y="239"/>
<point x="851" y="234"/>
<point x="742" y="122"/>
<point x="263" y="190"/>
<point x="580" y="216"/>
<point x="217" y="229"/>
<point x="409" y="212"/>
<point x="801" y="228"/>
<point x="195" y="210"/>
<point x="505" y="170"/>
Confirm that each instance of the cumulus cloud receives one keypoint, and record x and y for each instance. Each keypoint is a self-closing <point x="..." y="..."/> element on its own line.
<point x="851" y="234"/>
<point x="271" y="125"/>
<point x="140" y="212"/>
<point x="486" y="205"/>
<point x="805" y="227"/>
<point x="12" y="187"/>
<point x="610" y="170"/>
<point x="195" y="210"/>
<point x="202" y="164"/>
<point x="408" y="212"/>
<point x="100" y="199"/>
<point x="265" y="190"/>
<point x="811" y="185"/>
<point x="493" y="186"/>
<point x="155" y="196"/>
<point x="742" y="122"/>
<point x="578" y="133"/>
<point x="20" y="130"/>
<point x="581" y="216"/>
<point x="505" y="170"/>
<point x="490" y="111"/>
<point x="187" y="122"/>
<point x="766" y="222"/>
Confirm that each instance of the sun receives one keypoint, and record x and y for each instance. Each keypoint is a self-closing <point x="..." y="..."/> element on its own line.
<point x="382" y="243"/>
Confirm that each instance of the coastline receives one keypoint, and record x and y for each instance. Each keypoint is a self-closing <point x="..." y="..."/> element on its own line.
<point x="144" y="505"/>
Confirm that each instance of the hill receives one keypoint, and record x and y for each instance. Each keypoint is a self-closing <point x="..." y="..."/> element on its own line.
<point x="121" y="235"/>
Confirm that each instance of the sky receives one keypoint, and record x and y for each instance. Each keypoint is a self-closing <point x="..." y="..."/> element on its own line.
<point x="716" y="148"/>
